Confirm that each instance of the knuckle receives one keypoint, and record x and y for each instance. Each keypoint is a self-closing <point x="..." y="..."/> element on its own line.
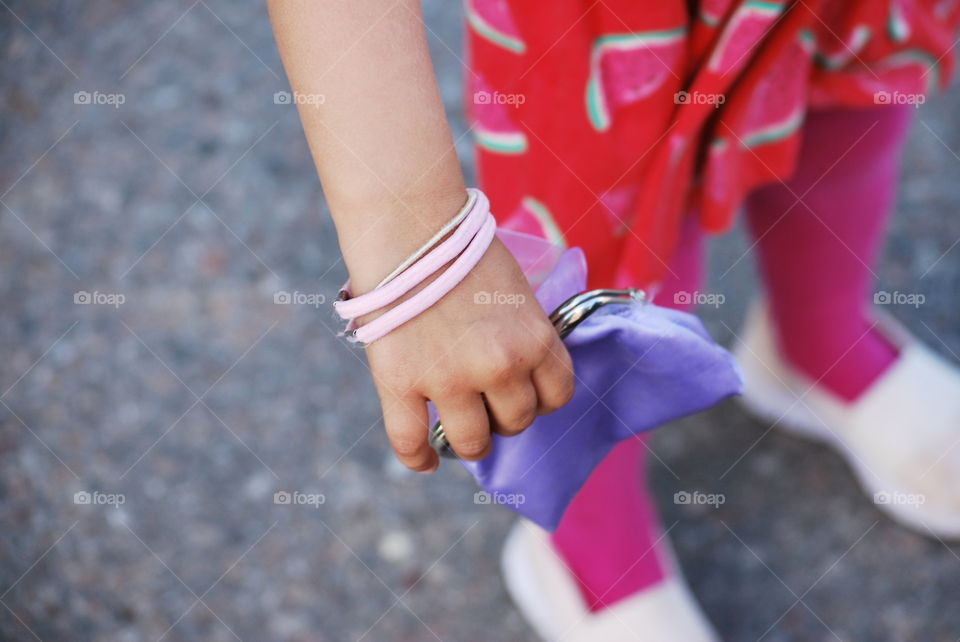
<point x="498" y="369"/>
<point x="408" y="449"/>
<point x="471" y="447"/>
<point x="446" y="384"/>
<point x="438" y="372"/>
<point x="519" y="422"/>
<point x="399" y="413"/>
<point x="499" y="361"/>
<point x="544" y="336"/>
<point x="559" y="395"/>
<point x="391" y="385"/>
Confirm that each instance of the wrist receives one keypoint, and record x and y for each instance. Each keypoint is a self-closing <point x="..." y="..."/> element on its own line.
<point x="379" y="237"/>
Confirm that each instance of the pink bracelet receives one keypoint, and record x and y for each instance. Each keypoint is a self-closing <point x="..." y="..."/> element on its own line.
<point x="434" y="291"/>
<point x="472" y="195"/>
<point x="469" y="220"/>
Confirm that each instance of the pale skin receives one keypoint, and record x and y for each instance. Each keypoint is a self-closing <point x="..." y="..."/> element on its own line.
<point x="386" y="160"/>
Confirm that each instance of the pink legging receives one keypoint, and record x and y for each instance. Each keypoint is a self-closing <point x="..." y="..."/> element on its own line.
<point x="818" y="236"/>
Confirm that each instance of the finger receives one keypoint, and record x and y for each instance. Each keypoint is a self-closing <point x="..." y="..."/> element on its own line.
<point x="512" y="407"/>
<point x="553" y="379"/>
<point x="406" y="423"/>
<point x="466" y="425"/>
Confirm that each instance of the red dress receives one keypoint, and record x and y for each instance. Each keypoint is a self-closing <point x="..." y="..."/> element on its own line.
<point x="603" y="124"/>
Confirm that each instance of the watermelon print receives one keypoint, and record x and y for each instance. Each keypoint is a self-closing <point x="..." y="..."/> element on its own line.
<point x="776" y="130"/>
<point x="846" y="51"/>
<point x="712" y="11"/>
<point x="532" y="217"/>
<point x="911" y="71"/>
<point x="501" y="142"/>
<point x="808" y="41"/>
<point x="911" y="62"/>
<point x="779" y="101"/>
<point x="494" y="126"/>
<point x="626" y="68"/>
<point x="493" y="21"/>
<point x="743" y="32"/>
<point x="601" y="157"/>
<point x="897" y="26"/>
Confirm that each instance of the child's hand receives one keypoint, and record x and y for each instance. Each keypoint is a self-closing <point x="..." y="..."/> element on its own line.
<point x="486" y="355"/>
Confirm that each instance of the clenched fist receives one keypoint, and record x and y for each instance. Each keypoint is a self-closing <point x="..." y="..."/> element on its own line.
<point x="486" y="355"/>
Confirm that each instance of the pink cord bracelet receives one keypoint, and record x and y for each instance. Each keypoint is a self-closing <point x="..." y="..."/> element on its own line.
<point x="434" y="291"/>
<point x="473" y="229"/>
<point x="421" y="264"/>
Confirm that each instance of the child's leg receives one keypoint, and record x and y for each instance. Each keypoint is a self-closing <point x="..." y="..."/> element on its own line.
<point x="609" y="535"/>
<point x="816" y="256"/>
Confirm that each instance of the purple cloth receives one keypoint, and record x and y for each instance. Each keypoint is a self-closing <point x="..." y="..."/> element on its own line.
<point x="637" y="366"/>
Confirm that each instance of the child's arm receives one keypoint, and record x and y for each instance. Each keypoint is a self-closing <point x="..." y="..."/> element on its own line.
<point x="390" y="174"/>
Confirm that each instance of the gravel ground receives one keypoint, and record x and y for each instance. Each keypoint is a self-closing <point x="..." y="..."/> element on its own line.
<point x="194" y="397"/>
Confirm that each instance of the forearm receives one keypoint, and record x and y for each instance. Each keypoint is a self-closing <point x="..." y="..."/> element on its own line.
<point x="380" y="139"/>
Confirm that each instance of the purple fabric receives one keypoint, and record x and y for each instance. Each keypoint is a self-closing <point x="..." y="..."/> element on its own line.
<point x="637" y="366"/>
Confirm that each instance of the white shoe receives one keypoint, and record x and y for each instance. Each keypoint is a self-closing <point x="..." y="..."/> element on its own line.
<point x="901" y="436"/>
<point x="547" y="595"/>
